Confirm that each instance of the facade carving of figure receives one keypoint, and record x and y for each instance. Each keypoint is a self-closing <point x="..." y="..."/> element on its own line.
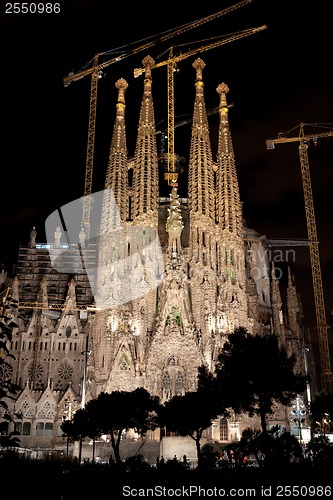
<point x="33" y="234"/>
<point x="57" y="236"/>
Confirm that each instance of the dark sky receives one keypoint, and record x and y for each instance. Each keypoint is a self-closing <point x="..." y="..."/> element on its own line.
<point x="278" y="78"/>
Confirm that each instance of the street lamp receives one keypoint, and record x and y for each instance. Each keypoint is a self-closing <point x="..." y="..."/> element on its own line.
<point x="298" y="413"/>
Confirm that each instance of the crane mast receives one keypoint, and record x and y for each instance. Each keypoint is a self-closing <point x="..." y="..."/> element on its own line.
<point x="322" y="327"/>
<point x="87" y="197"/>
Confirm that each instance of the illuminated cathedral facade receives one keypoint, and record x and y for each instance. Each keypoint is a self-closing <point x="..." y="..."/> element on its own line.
<point x="215" y="275"/>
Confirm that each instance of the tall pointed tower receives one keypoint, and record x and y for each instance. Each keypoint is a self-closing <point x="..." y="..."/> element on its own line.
<point x="127" y="252"/>
<point x="201" y="202"/>
<point x="145" y="174"/>
<point x="230" y="266"/>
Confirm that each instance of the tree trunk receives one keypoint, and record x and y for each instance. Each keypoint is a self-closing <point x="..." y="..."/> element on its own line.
<point x="199" y="453"/>
<point x="80" y="450"/>
<point x="263" y="421"/>
<point x="262" y="408"/>
<point x="116" y="445"/>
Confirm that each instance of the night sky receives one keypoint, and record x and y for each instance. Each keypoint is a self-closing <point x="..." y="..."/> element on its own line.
<point x="278" y="78"/>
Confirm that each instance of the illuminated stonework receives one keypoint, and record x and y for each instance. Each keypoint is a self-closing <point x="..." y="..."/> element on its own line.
<point x="217" y="277"/>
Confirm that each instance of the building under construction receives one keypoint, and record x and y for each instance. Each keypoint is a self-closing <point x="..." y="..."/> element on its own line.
<point x="217" y="275"/>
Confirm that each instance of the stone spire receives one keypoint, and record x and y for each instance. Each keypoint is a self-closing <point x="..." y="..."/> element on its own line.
<point x="228" y="204"/>
<point x="230" y="258"/>
<point x="201" y="196"/>
<point x="201" y="174"/>
<point x="293" y="307"/>
<point x="145" y="174"/>
<point x="42" y="297"/>
<point x="115" y="201"/>
<point x="15" y="289"/>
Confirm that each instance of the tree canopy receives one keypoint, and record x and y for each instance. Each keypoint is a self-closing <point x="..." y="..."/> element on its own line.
<point x="119" y="411"/>
<point x="253" y="373"/>
<point x="189" y="415"/>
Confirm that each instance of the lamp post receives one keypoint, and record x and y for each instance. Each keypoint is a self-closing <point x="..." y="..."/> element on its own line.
<point x="298" y="413"/>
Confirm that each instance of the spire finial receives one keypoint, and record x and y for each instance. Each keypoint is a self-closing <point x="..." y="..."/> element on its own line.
<point x="223" y="89"/>
<point x="199" y="65"/>
<point x="148" y="63"/>
<point x="121" y="85"/>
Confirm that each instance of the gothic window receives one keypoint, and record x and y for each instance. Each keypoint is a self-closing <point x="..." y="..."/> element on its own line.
<point x="44" y="429"/>
<point x="47" y="411"/>
<point x="166" y="381"/>
<point x="68" y="331"/>
<point x="6" y="371"/>
<point x="223" y="429"/>
<point x="48" y="429"/>
<point x="37" y="373"/>
<point x="65" y="371"/>
<point x="179" y="383"/>
<point x="18" y="427"/>
<point x="26" y="410"/>
<point x="40" y="429"/>
<point x="26" y="428"/>
<point x="173" y="379"/>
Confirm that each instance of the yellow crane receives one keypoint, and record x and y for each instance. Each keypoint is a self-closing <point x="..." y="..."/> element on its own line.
<point x="56" y="307"/>
<point x="96" y="72"/>
<point x="171" y="174"/>
<point x="322" y="327"/>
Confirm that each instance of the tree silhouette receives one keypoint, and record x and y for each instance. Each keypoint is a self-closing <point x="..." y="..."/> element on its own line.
<point x="189" y="415"/>
<point x="322" y="412"/>
<point x="119" y="411"/>
<point x="254" y="372"/>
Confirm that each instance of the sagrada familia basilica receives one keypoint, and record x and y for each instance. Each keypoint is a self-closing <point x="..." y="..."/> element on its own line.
<point x="165" y="281"/>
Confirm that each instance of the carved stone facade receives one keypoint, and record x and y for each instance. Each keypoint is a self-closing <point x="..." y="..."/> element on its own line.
<point x="217" y="276"/>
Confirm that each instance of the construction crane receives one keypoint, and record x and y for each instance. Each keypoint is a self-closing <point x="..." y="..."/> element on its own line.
<point x="171" y="174"/>
<point x="96" y="72"/>
<point x="322" y="327"/>
<point x="45" y="306"/>
<point x="57" y="307"/>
